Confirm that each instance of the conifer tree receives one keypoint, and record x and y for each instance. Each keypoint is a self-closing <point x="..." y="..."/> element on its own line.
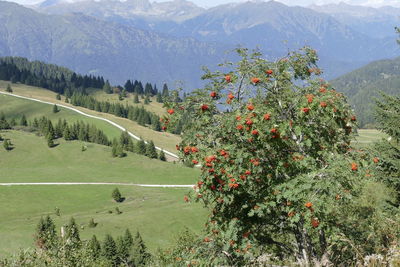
<point x="72" y="234"/>
<point x="159" y="98"/>
<point x="387" y="114"/>
<point x="162" y="156"/>
<point x="9" y="89"/>
<point x="107" y="88"/>
<point x="128" y="238"/>
<point x="147" y="100"/>
<point x="7" y="145"/>
<point x="58" y="97"/>
<point x="55" y="109"/>
<point x="151" y="151"/>
<point x="45" y="236"/>
<point x="141" y="147"/>
<point x="23" y="121"/>
<point x="94" y="247"/>
<point x="109" y="249"/>
<point x="50" y="142"/>
<point x="116" y="195"/>
<point x="136" y="98"/>
<point x="139" y="256"/>
<point x="156" y="124"/>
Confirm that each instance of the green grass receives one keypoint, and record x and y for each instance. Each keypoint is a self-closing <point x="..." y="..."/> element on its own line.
<point x="14" y="107"/>
<point x="159" y="214"/>
<point x="161" y="139"/>
<point x="368" y="136"/>
<point x="32" y="161"/>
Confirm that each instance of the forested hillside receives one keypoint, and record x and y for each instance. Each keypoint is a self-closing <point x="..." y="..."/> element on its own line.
<point x="363" y="85"/>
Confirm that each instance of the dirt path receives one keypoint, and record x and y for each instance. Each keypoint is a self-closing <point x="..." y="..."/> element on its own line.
<point x="90" y="116"/>
<point x="83" y="183"/>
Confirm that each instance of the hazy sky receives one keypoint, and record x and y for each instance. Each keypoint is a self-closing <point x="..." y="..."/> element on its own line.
<point x="210" y="3"/>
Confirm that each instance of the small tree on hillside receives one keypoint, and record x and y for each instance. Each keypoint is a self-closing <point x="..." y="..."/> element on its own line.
<point x="23" y="121"/>
<point x="141" y="147"/>
<point x="109" y="249"/>
<point x="50" y="141"/>
<point x="45" y="236"/>
<point x="116" y="195"/>
<point x="7" y="145"/>
<point x="9" y="89"/>
<point x="162" y="156"/>
<point x="94" y="247"/>
<point x="55" y="109"/>
<point x="72" y="237"/>
<point x="136" y="99"/>
<point x="58" y="97"/>
<point x="151" y="151"/>
<point x="139" y="256"/>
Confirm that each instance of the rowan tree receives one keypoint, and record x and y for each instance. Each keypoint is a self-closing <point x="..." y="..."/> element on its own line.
<point x="278" y="172"/>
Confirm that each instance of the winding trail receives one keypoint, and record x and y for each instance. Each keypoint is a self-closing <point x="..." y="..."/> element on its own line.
<point x="83" y="183"/>
<point x="90" y="116"/>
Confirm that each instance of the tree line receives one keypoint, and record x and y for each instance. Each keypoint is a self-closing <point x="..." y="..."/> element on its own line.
<point x="138" y="114"/>
<point x="68" y="249"/>
<point x="49" y="76"/>
<point x="84" y="132"/>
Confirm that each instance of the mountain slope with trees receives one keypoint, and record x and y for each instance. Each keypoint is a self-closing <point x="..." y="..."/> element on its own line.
<point x="89" y="45"/>
<point x="362" y="85"/>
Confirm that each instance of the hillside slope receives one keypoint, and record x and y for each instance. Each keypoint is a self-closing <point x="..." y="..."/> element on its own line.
<point x="362" y="85"/>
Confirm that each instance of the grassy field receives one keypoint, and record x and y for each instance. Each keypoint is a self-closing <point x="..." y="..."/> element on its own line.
<point x="157" y="213"/>
<point x="32" y="161"/>
<point x="368" y="136"/>
<point x="14" y="107"/>
<point x="161" y="139"/>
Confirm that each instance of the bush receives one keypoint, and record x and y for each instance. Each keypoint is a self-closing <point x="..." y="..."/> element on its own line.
<point x="116" y="195"/>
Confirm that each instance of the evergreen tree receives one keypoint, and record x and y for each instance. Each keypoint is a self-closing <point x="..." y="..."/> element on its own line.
<point x="165" y="91"/>
<point x="1" y="138"/>
<point x="72" y="234"/>
<point x="58" y="97"/>
<point x="55" y="109"/>
<point x="116" y="195"/>
<point x="151" y="151"/>
<point x="141" y="147"/>
<point x="9" y="89"/>
<point x="23" y="121"/>
<point x="147" y="100"/>
<point x="107" y="88"/>
<point x="156" y="124"/>
<point x="159" y="98"/>
<point x="136" y="98"/>
<point x="109" y="249"/>
<point x="7" y="145"/>
<point x="67" y="133"/>
<point x="94" y="247"/>
<point x="128" y="238"/>
<point x="162" y="156"/>
<point x="139" y="256"/>
<point x="124" y="140"/>
<point x="3" y="122"/>
<point x="45" y="236"/>
<point x="50" y="142"/>
<point x="122" y="250"/>
<point x="387" y="114"/>
<point x="66" y="100"/>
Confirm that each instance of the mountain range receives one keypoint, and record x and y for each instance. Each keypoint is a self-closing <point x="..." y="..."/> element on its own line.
<point x="170" y="41"/>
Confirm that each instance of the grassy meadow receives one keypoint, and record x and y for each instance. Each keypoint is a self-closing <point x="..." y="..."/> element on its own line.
<point x="161" y="139"/>
<point x="158" y="213"/>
